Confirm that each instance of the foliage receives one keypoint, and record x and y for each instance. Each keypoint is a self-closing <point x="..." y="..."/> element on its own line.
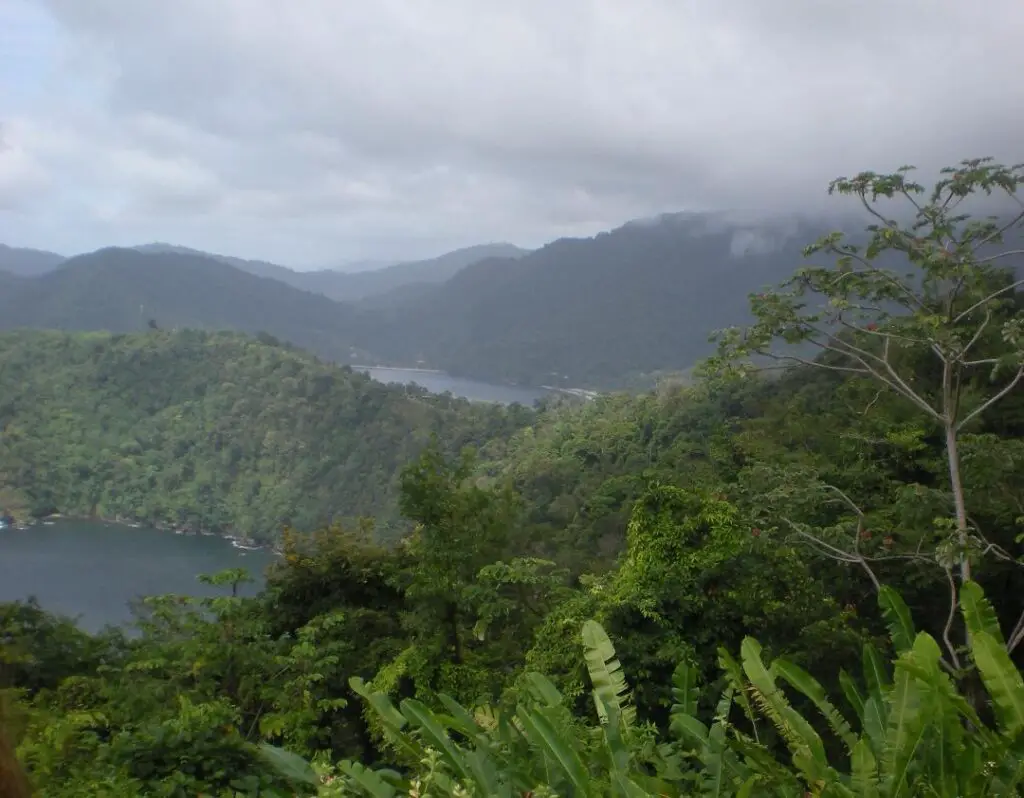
<point x="213" y="431"/>
<point x="915" y="733"/>
<point x="591" y="312"/>
<point x="475" y="655"/>
<point x="956" y="303"/>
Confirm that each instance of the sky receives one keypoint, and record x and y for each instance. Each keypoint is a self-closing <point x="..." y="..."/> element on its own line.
<point x="318" y="132"/>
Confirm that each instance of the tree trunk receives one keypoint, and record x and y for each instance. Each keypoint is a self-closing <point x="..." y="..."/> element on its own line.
<point x="956" y="484"/>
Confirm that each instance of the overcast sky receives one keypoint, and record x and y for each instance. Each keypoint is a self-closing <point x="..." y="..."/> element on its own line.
<point x="316" y="131"/>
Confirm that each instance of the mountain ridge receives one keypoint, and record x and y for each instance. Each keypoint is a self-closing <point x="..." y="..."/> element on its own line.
<point x="28" y="262"/>
<point x="121" y="290"/>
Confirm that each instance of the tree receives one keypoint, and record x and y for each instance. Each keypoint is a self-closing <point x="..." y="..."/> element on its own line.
<point x="926" y="334"/>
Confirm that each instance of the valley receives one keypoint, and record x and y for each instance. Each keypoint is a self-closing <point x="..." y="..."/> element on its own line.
<point x="525" y="525"/>
<point x="607" y="312"/>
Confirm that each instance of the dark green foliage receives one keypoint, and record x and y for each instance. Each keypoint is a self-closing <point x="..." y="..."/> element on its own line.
<point x="593" y="311"/>
<point x="211" y="431"/>
<point x="120" y="290"/>
<point x="707" y="578"/>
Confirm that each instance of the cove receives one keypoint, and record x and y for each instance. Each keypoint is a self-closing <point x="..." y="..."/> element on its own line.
<point x="439" y="382"/>
<point x="92" y="570"/>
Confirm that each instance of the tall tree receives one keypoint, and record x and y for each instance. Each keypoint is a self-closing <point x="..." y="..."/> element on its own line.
<point x="928" y="333"/>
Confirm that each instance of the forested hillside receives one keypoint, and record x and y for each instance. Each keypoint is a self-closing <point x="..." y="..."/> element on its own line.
<point x="806" y="585"/>
<point x="351" y="286"/>
<point x="599" y="312"/>
<point x="211" y="431"/>
<point x="28" y="262"/>
<point x="122" y="290"/>
<point x="592" y="312"/>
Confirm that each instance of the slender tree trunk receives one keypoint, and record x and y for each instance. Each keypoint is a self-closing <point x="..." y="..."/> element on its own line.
<point x="955" y="482"/>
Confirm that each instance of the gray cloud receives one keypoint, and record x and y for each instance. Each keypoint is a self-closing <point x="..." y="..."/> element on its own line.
<point x="320" y="130"/>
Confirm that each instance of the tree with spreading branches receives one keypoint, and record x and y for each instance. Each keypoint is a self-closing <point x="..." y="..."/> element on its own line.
<point x="926" y="306"/>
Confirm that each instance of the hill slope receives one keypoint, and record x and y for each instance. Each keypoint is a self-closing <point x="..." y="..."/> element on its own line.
<point x="260" y="268"/>
<point x="352" y="286"/>
<point x="28" y="262"/>
<point x="120" y="290"/>
<point x="211" y="431"/>
<point x="640" y="298"/>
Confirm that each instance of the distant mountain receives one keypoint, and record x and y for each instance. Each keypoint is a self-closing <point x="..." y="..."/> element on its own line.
<point x="592" y="312"/>
<point x="260" y="268"/>
<point x="28" y="262"/>
<point x="350" y="286"/>
<point x="9" y="281"/>
<point x="596" y="312"/>
<point x="121" y="290"/>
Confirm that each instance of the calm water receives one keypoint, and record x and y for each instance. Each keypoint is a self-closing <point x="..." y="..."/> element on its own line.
<point x="92" y="570"/>
<point x="475" y="391"/>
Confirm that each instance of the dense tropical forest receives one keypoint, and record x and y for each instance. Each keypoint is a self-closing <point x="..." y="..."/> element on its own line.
<point x="607" y="312"/>
<point x="802" y="585"/>
<point x="212" y="432"/>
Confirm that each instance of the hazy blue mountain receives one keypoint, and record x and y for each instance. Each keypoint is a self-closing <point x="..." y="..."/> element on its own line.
<point x="121" y="290"/>
<point x="28" y="262"/>
<point x="355" y="285"/>
<point x="261" y="268"/>
<point x="352" y="286"/>
<point x="592" y="311"/>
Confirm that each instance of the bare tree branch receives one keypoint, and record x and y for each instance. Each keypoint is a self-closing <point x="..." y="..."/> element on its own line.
<point x="999" y="231"/>
<point x="992" y="258"/>
<point x="986" y="300"/>
<point x="978" y="333"/>
<point x="869" y="267"/>
<point x="993" y="399"/>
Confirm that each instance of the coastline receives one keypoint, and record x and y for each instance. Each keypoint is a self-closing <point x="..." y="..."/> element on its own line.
<point x="237" y="541"/>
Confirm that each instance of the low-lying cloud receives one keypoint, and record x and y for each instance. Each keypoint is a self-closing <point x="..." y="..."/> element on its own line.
<point x="318" y="131"/>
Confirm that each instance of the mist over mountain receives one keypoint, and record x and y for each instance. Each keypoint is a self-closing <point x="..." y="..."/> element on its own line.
<point x="364" y="282"/>
<point x="352" y="286"/>
<point x="28" y="262"/>
<point x="640" y="298"/>
<point x="596" y="312"/>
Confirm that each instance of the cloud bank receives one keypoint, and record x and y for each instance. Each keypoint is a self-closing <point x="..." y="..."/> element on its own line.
<point x="320" y="131"/>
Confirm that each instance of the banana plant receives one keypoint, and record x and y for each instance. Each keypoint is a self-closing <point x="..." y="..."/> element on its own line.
<point x="912" y="731"/>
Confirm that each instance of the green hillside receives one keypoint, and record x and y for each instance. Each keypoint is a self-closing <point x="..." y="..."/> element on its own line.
<point x="802" y="585"/>
<point x="123" y="290"/>
<point x="211" y="431"/>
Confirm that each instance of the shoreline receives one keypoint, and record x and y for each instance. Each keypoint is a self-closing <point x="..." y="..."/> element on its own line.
<point x="399" y="368"/>
<point x="237" y="541"/>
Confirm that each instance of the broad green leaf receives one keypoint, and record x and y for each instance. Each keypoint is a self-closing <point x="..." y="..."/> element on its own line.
<point x="864" y="778"/>
<point x="876" y="676"/>
<point x="905" y="728"/>
<point x="852" y="694"/>
<point x="897" y="618"/>
<point x="545" y="737"/>
<point x="367" y="780"/>
<point x="684" y="688"/>
<point x="802" y="681"/>
<point x="805" y="744"/>
<point x="1002" y="680"/>
<point x="291" y="766"/>
<point x="978" y="612"/>
<point x="435" y="734"/>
